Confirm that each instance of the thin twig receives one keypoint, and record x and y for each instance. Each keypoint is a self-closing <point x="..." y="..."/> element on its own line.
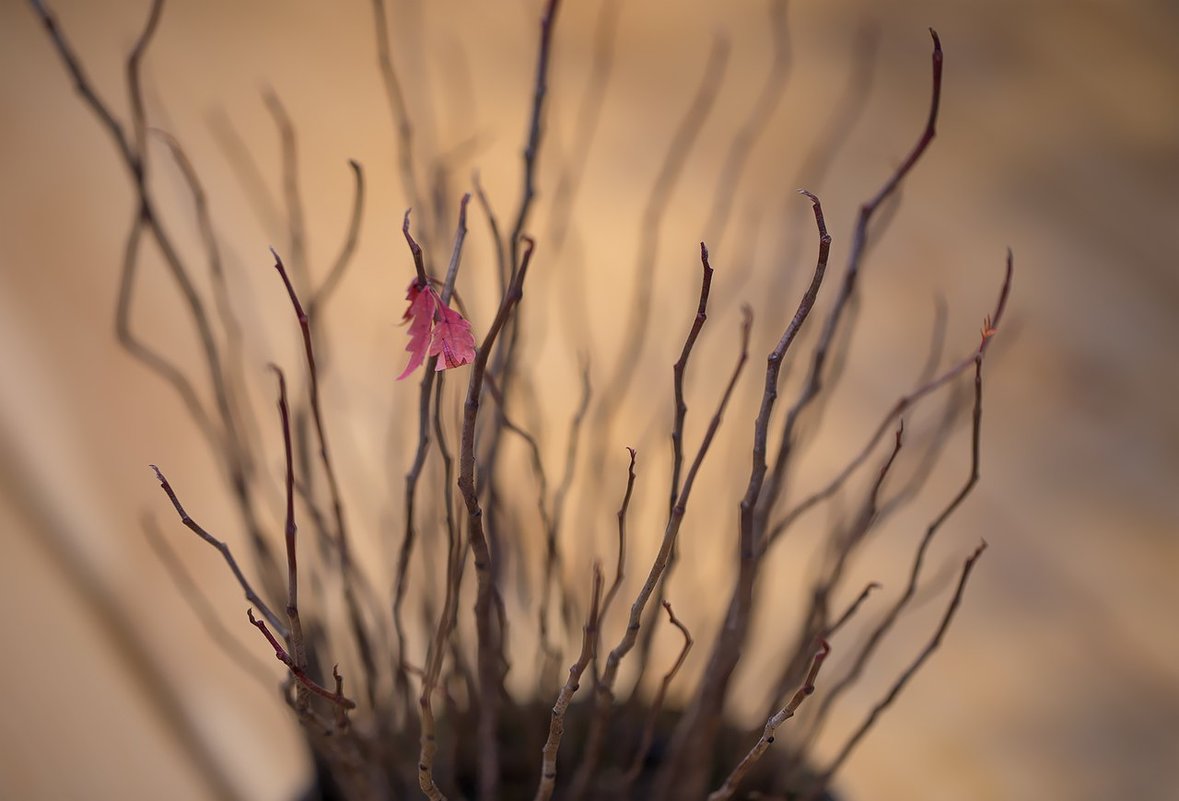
<point x="413" y="475"/>
<point x="344" y="258"/>
<point x="298" y="647"/>
<point x="397" y="106"/>
<point x="553" y="557"/>
<point x="304" y="680"/>
<point x="726" y="790"/>
<point x="221" y="291"/>
<point x="356" y="622"/>
<point x="535" y="130"/>
<point x="677" y="440"/>
<point x="839" y="553"/>
<point x="851" y="610"/>
<point x="196" y="599"/>
<point x="678" y="371"/>
<point x="620" y="564"/>
<point x="902" y="405"/>
<point x="639" y="314"/>
<point x="490" y="644"/>
<point x="604" y="692"/>
<point x="224" y="440"/>
<point x="501" y="256"/>
<point x="292" y="196"/>
<point x="885" y="625"/>
<point x="246" y="171"/>
<point x="552" y="560"/>
<point x="696" y="732"/>
<point x="226" y="554"/>
<point x="904" y="678"/>
<point x="455" y="554"/>
<point x="503" y="367"/>
<point x="548" y="766"/>
<point x="648" y="735"/>
<point x="814" y="381"/>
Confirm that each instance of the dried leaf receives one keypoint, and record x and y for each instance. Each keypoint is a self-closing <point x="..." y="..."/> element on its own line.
<point x="422" y="303"/>
<point x="453" y="341"/>
<point x="435" y="330"/>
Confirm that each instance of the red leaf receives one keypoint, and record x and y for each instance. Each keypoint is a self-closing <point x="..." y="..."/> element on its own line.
<point x="447" y="337"/>
<point x="422" y="303"/>
<point x="453" y="341"/>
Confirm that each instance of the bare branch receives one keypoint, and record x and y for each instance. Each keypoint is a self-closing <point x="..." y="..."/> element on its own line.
<point x="226" y="554"/>
<point x="221" y="295"/>
<point x="456" y="553"/>
<point x="622" y="510"/>
<point x="490" y="643"/>
<point x="292" y="197"/>
<point x="904" y="678"/>
<point x="850" y="612"/>
<point x="553" y="558"/>
<point x="885" y="625"/>
<point x="347" y="249"/>
<point x="298" y="647"/>
<point x="304" y="680"/>
<point x="604" y="692"/>
<point x="413" y="476"/>
<point x="416" y="250"/>
<point x="222" y="439"/>
<point x="396" y="99"/>
<point x="677" y="438"/>
<point x="535" y="129"/>
<point x="843" y="545"/>
<point x="548" y="767"/>
<point x="900" y="407"/>
<point x="678" y="371"/>
<point x="814" y="381"/>
<point x="501" y="256"/>
<point x="356" y="622"/>
<point x="726" y="790"/>
<point x="195" y="597"/>
<point x="648" y="735"/>
<point x="696" y="731"/>
<point x="639" y="315"/>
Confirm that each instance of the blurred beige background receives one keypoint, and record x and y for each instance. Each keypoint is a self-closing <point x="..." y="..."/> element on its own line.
<point x="1059" y="136"/>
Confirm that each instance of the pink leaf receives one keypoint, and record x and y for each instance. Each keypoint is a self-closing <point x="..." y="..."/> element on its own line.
<point x="453" y="341"/>
<point x="422" y="303"/>
<point x="435" y="330"/>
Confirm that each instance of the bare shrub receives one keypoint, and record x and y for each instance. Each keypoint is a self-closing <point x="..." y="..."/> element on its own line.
<point x="371" y="737"/>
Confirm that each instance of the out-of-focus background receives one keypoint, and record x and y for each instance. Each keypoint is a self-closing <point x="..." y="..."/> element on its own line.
<point x="1058" y="137"/>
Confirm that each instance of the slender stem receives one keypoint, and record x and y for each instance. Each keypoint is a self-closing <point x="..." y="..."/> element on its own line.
<point x="490" y="643"/>
<point x="535" y="129"/>
<point x="726" y="790"/>
<point x="355" y="619"/>
<point x="899" y="685"/>
<point x="683" y="774"/>
<point x="589" y="639"/>
<point x="605" y="689"/>
<point x="347" y="249"/>
<point x="648" y="735"/>
<point x="397" y="105"/>
<point x="337" y="697"/>
<point x="226" y="554"/>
